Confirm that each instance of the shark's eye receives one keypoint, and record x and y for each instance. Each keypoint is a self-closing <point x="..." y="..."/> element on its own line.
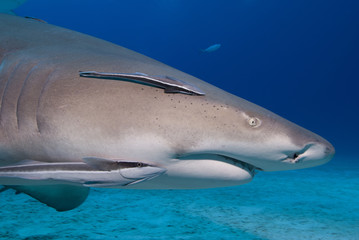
<point x="254" y="122"/>
<point x="139" y="164"/>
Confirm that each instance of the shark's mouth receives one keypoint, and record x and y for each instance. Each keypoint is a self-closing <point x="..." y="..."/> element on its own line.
<point x="222" y="158"/>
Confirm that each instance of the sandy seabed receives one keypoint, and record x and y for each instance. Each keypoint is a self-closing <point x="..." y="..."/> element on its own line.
<point x="317" y="203"/>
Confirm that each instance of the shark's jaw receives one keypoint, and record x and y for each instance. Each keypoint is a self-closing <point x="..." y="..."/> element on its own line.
<point x="221" y="169"/>
<point x="245" y="165"/>
<point x="311" y="154"/>
<point x="201" y="170"/>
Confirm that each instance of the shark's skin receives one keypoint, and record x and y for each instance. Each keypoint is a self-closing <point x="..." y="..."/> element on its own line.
<point x="49" y="113"/>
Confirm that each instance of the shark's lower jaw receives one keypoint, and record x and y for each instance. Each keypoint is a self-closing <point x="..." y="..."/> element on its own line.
<point x="251" y="169"/>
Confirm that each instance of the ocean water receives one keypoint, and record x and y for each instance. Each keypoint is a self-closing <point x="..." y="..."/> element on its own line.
<point x="298" y="59"/>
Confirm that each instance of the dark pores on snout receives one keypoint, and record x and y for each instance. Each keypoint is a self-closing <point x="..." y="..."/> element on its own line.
<point x="205" y="116"/>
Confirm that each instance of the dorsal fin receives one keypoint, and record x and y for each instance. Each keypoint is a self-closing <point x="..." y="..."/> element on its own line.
<point x="169" y="84"/>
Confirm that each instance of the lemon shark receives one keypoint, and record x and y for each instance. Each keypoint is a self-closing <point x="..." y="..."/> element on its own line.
<point x="66" y="97"/>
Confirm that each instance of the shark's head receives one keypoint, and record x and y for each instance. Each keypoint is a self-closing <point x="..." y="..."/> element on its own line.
<point x="265" y="141"/>
<point x="239" y="138"/>
<point x="270" y="143"/>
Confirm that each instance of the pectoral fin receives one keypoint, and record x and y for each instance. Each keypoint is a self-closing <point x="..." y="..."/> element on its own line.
<point x="61" y="197"/>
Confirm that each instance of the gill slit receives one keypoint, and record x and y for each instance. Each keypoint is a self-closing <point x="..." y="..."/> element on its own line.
<point x="44" y="87"/>
<point x="6" y="89"/>
<point x="21" y="92"/>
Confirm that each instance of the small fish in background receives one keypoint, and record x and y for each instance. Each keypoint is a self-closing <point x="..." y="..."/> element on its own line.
<point x="212" y="48"/>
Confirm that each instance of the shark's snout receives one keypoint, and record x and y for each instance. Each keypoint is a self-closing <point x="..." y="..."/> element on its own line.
<point x="289" y="147"/>
<point x="311" y="155"/>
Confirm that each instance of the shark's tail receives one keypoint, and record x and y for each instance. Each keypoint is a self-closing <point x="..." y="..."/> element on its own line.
<point x="7" y="6"/>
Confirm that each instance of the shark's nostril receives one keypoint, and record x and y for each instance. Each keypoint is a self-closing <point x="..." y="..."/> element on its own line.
<point x="329" y="150"/>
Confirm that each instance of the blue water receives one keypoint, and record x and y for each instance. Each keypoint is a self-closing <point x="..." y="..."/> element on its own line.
<point x="298" y="59"/>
